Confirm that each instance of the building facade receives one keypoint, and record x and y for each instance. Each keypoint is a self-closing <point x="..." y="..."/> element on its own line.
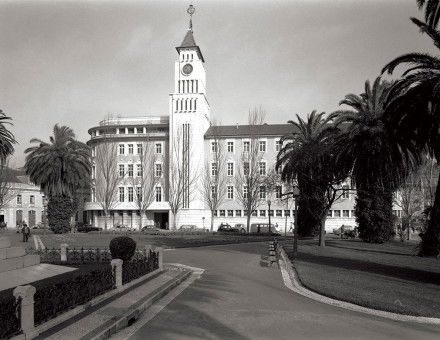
<point x="185" y="144"/>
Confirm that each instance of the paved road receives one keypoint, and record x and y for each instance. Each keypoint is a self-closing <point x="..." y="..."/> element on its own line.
<point x="238" y="298"/>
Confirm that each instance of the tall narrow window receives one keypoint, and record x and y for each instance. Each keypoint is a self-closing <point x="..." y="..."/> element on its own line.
<point x="121" y="149"/>
<point x="230" y="169"/>
<point x="139" y="193"/>
<point x="345" y="191"/>
<point x="130" y="149"/>
<point x="159" y="148"/>
<point x="192" y="86"/>
<point x="277" y="145"/>
<point x="158" y="194"/>
<point x="93" y="195"/>
<point x="121" y="170"/>
<point x="121" y="194"/>
<point x="213" y="192"/>
<point x="262" y="168"/>
<point x="213" y="169"/>
<point x="130" y="170"/>
<point x="246" y="168"/>
<point x="130" y="194"/>
<point x="139" y="170"/>
<point x="245" y="191"/>
<point x="262" y="145"/>
<point x="246" y="146"/>
<point x="262" y="192"/>
<point x="32" y="199"/>
<point x="230" y="146"/>
<point x="278" y="191"/>
<point x="195" y="104"/>
<point x="197" y="86"/>
<point x="214" y="147"/>
<point x="178" y="86"/>
<point x="158" y="169"/>
<point x="93" y="172"/>
<point x="230" y="192"/>
<point x="139" y="149"/>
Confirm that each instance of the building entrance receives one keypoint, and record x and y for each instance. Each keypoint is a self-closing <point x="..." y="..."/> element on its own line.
<point x="161" y="220"/>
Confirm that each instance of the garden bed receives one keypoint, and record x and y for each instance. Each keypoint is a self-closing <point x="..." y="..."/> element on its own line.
<point x="387" y="276"/>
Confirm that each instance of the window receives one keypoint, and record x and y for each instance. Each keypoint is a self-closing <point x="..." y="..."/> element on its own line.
<point x="270" y="212"/>
<point x="121" y="149"/>
<point x="130" y="130"/>
<point x="262" y="146"/>
<point x="262" y="168"/>
<point x="230" y="192"/>
<point x="262" y="192"/>
<point x="277" y="145"/>
<point x="214" y="147"/>
<point x="238" y="213"/>
<point x="345" y="191"/>
<point x="246" y="168"/>
<point x="121" y="194"/>
<point x="93" y="195"/>
<point x="32" y="199"/>
<point x="230" y="213"/>
<point x="286" y="213"/>
<point x="121" y="170"/>
<point x="93" y="171"/>
<point x="353" y="214"/>
<point x="246" y="146"/>
<point x="139" y="170"/>
<point x="230" y="146"/>
<point x="121" y="131"/>
<point x="158" y="194"/>
<point x="130" y="170"/>
<point x="93" y="151"/>
<point x="158" y="170"/>
<point x="139" y="193"/>
<point x="245" y="213"/>
<point x="215" y="213"/>
<point x="130" y="194"/>
<point x="159" y="148"/>
<point x="279" y="213"/>
<point x="278" y="191"/>
<point x="213" y="169"/>
<point x="254" y="213"/>
<point x="262" y="213"/>
<point x="245" y="191"/>
<point x="337" y="213"/>
<point x="346" y="213"/>
<point x="222" y="213"/>
<point x="329" y="213"/>
<point x="230" y="169"/>
<point x="139" y="149"/>
<point x="213" y="192"/>
<point x="19" y="199"/>
<point x="130" y="149"/>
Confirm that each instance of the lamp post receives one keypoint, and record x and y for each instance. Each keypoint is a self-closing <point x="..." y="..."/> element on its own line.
<point x="268" y="204"/>
<point x="203" y="221"/>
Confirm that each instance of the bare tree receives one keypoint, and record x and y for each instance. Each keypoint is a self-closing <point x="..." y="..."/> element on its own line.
<point x="182" y="177"/>
<point x="272" y="185"/>
<point x="6" y="189"/>
<point x="214" y="177"/>
<point x="146" y="179"/>
<point x="107" y="177"/>
<point x="249" y="180"/>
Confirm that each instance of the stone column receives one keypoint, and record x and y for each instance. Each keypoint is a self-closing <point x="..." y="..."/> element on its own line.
<point x="160" y="253"/>
<point x="117" y="269"/>
<point x="64" y="247"/>
<point x="26" y="293"/>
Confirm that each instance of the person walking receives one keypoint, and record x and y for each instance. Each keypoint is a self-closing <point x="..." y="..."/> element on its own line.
<point x="26" y="232"/>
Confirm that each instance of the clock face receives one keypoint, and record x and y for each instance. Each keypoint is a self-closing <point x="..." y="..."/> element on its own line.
<point x="187" y="69"/>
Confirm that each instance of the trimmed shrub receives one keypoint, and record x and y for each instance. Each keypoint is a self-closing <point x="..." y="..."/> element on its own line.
<point x="59" y="211"/>
<point x="122" y="247"/>
<point x="374" y="215"/>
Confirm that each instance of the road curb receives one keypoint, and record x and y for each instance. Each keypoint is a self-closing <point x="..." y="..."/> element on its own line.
<point x="293" y="282"/>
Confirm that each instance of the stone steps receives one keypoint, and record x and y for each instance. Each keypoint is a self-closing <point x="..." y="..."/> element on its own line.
<point x="12" y="258"/>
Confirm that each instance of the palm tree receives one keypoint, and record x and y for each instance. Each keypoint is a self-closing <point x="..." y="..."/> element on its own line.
<point x="306" y="158"/>
<point x="378" y="161"/>
<point x="416" y="113"/>
<point x="7" y="139"/>
<point x="60" y="167"/>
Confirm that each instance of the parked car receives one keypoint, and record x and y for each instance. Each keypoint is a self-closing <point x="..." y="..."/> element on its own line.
<point x="226" y="227"/>
<point x="149" y="227"/>
<point x="187" y="227"/>
<point x="263" y="228"/>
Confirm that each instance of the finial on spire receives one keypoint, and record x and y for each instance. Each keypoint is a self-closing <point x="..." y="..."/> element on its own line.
<point x="191" y="9"/>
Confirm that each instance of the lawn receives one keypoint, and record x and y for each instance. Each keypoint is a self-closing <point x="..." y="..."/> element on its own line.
<point x="95" y="240"/>
<point x="387" y="276"/>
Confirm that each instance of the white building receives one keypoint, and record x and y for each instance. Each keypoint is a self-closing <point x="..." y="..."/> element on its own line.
<point x="185" y="138"/>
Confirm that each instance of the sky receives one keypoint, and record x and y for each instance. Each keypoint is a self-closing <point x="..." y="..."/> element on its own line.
<point x="74" y="63"/>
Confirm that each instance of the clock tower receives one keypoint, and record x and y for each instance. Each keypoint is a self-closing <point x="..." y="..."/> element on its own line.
<point x="189" y="120"/>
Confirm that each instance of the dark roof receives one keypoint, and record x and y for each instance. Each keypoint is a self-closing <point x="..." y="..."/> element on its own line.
<point x="189" y="42"/>
<point x="14" y="175"/>
<point x="249" y="130"/>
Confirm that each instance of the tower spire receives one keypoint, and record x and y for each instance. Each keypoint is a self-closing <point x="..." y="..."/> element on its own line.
<point x="191" y="10"/>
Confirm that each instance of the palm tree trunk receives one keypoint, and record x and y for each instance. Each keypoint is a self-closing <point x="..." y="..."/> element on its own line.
<point x="212" y="221"/>
<point x="430" y="245"/>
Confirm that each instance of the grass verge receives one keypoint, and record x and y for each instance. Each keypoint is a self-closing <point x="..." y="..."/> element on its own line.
<point x="387" y="277"/>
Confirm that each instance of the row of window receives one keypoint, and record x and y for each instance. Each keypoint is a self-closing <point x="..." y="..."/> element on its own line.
<point x="230" y="146"/>
<point x="130" y="194"/>
<point x="125" y="130"/>
<point x="262" y="168"/>
<point x="260" y="213"/>
<point x="158" y="170"/>
<point x="350" y="213"/>
<point x="188" y="86"/>
<point x="186" y="104"/>
<point x="20" y="199"/>
<point x="187" y="56"/>
<point x="158" y="149"/>
<point x="230" y="193"/>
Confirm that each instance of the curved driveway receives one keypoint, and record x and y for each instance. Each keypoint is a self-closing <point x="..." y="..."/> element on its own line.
<point x="239" y="298"/>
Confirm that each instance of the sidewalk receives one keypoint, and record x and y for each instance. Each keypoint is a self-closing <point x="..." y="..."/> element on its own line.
<point x="107" y="319"/>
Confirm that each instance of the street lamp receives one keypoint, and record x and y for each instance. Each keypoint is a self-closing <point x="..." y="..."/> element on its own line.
<point x="203" y="220"/>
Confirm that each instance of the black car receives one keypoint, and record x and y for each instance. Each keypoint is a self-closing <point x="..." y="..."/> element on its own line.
<point x="227" y="228"/>
<point x="87" y="228"/>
